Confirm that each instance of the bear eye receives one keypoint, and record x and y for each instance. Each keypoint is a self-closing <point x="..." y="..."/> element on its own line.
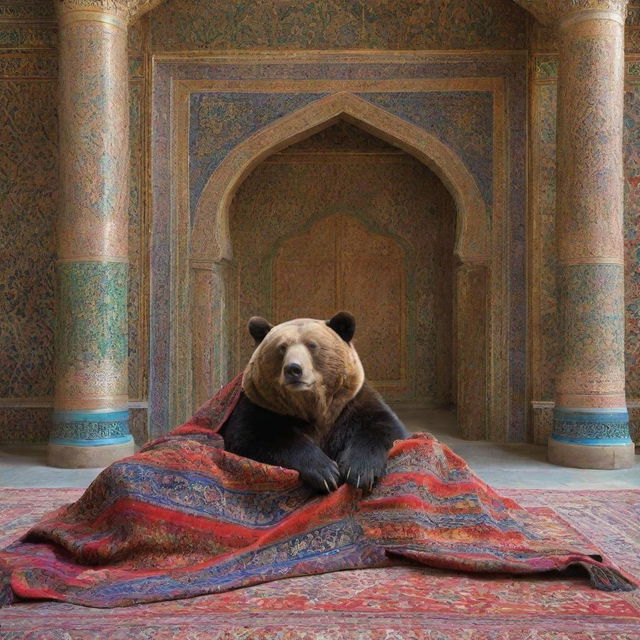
<point x="282" y="348"/>
<point x="312" y="346"/>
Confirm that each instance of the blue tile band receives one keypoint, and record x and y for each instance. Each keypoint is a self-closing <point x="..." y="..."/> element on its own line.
<point x="591" y="427"/>
<point x="91" y="443"/>
<point x="90" y="428"/>
<point x="99" y="415"/>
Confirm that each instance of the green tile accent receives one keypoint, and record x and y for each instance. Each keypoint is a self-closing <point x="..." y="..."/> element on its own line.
<point x="546" y="68"/>
<point x="92" y="312"/>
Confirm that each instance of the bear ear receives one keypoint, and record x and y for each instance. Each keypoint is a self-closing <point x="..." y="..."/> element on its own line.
<point x="258" y="328"/>
<point x="344" y="324"/>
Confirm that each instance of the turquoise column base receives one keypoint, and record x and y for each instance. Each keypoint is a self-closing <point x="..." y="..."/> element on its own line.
<point x="89" y="439"/>
<point x="591" y="439"/>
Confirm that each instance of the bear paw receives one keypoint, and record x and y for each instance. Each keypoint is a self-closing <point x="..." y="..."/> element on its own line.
<point x="321" y="474"/>
<point x="362" y="470"/>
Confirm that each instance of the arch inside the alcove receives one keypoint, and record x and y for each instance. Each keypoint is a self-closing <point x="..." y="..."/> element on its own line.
<point x="210" y="238"/>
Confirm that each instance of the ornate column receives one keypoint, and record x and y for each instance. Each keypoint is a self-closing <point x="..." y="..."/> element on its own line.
<point x="590" y="417"/>
<point x="91" y="349"/>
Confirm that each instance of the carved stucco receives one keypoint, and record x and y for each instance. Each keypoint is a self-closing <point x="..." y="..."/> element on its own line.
<point x="546" y="11"/>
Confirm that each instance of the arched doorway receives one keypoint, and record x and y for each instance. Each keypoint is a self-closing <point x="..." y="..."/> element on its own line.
<point x="345" y="220"/>
<point x="211" y="253"/>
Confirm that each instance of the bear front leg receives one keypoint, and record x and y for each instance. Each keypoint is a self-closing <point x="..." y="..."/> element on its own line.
<point x="262" y="435"/>
<point x="297" y="451"/>
<point x="317" y="470"/>
<point x="362" y="463"/>
<point x="362" y="439"/>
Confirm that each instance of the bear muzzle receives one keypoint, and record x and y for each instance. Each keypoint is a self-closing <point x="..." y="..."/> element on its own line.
<point x="297" y="369"/>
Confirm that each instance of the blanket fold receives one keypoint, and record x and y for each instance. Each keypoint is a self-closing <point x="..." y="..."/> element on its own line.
<point x="183" y="517"/>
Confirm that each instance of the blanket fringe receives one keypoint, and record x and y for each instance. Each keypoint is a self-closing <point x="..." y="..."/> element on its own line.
<point x="608" y="578"/>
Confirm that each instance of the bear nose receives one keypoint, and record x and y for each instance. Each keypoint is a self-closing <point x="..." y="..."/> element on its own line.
<point x="293" y="371"/>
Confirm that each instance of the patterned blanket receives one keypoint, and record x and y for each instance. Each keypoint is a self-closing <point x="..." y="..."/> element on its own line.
<point x="183" y="518"/>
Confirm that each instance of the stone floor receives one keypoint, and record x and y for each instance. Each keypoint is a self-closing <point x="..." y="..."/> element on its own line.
<point x="501" y="465"/>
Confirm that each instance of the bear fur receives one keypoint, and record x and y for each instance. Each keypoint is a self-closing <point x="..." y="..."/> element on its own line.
<point x="305" y="405"/>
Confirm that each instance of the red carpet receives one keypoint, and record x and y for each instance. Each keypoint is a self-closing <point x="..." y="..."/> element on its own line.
<point x="392" y="603"/>
<point x="184" y="518"/>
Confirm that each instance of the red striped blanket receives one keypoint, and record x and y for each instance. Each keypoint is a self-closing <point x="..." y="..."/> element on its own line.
<point x="184" y="518"/>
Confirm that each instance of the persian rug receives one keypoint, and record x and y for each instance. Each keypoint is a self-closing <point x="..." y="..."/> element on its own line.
<point x="184" y="518"/>
<point x="394" y="603"/>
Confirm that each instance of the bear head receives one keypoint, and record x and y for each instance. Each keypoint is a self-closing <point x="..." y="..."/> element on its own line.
<point x="305" y="368"/>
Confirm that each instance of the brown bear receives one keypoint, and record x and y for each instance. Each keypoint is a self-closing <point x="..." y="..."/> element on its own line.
<point x="305" y="405"/>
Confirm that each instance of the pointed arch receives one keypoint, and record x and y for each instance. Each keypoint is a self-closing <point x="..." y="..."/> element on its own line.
<point x="211" y="249"/>
<point x="210" y="238"/>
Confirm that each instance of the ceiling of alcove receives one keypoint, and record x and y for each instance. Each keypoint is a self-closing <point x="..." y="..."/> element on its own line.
<point x="344" y="137"/>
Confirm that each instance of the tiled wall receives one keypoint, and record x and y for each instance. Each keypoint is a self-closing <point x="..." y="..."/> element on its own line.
<point x="28" y="167"/>
<point x="28" y="206"/>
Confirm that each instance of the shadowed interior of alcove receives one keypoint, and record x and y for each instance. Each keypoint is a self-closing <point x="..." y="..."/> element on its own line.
<point x="343" y="219"/>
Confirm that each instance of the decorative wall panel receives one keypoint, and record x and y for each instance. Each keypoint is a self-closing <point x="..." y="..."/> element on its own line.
<point x="543" y="290"/>
<point x="450" y="97"/>
<point x="338" y="24"/>
<point x="28" y="199"/>
<point x="28" y="173"/>
<point x="632" y="228"/>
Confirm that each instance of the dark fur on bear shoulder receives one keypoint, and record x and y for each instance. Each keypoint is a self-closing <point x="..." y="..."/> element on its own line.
<point x="354" y="450"/>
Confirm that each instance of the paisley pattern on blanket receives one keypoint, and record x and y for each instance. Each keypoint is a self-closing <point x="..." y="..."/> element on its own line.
<point x="183" y="517"/>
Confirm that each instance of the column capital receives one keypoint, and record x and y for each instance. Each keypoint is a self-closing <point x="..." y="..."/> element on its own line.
<point x="555" y="12"/>
<point x="122" y="11"/>
<point x="114" y="12"/>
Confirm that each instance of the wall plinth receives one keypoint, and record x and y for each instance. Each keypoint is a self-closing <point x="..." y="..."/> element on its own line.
<point x="91" y="417"/>
<point x="591" y="428"/>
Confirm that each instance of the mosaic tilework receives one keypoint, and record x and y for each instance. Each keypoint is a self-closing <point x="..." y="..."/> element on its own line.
<point x="593" y="332"/>
<point x="28" y="9"/>
<point x="631" y="150"/>
<point x="589" y="169"/>
<point x="138" y="426"/>
<point x="634" y="424"/>
<point x="28" y="201"/>
<point x="542" y="424"/>
<point x="30" y="424"/>
<point x="545" y="97"/>
<point x="73" y="426"/>
<point x="220" y="121"/>
<point x="338" y="24"/>
<point x="92" y="341"/>
<point x="90" y="330"/>
<point x="462" y="120"/>
<point x="28" y="191"/>
<point x="14" y="36"/>
<point x="136" y="307"/>
<point x="94" y="163"/>
<point x="585" y="427"/>
<point x="545" y="282"/>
